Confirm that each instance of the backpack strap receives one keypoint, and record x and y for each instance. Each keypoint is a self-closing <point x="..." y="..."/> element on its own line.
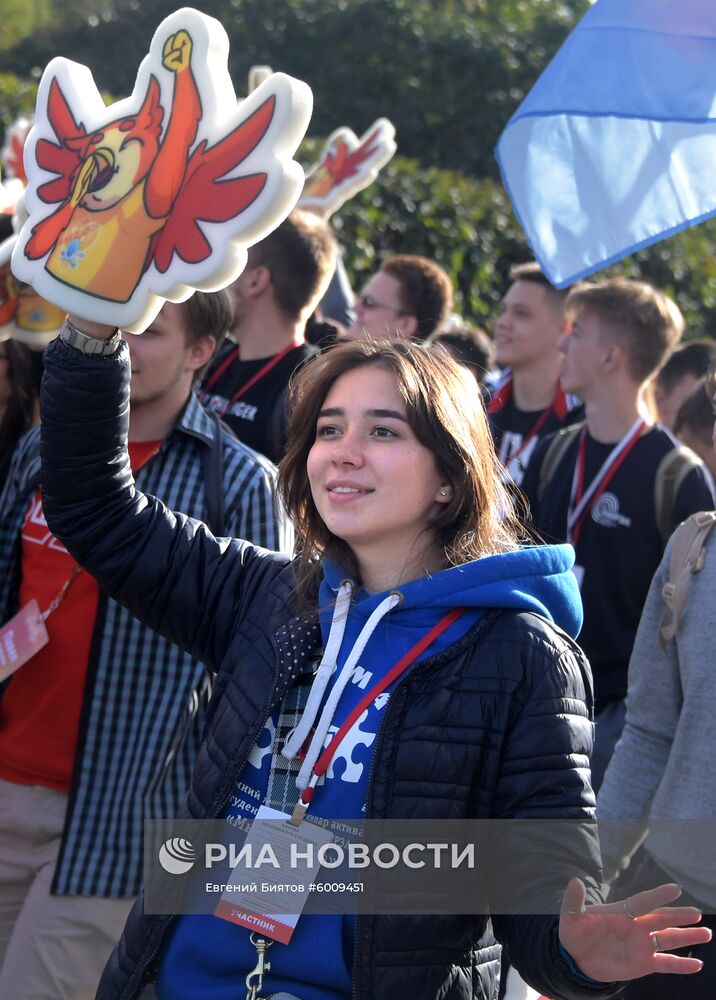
<point x="555" y="453"/>
<point x="670" y="475"/>
<point x="687" y="557"/>
<point x="213" y="469"/>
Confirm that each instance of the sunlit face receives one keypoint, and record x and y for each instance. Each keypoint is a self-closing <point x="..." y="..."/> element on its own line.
<point x="162" y="359"/>
<point x="528" y="326"/>
<point x="379" y="311"/>
<point x="585" y="349"/>
<point x="374" y="484"/>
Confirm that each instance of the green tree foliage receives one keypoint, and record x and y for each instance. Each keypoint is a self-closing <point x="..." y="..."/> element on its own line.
<point x="17" y="97"/>
<point x="448" y="73"/>
<point x="20" y="18"/>
<point x="451" y="69"/>
<point x="468" y="226"/>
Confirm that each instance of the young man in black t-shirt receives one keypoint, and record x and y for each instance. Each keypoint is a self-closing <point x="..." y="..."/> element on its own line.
<point x="527" y="402"/>
<point x="286" y="276"/>
<point x="601" y="493"/>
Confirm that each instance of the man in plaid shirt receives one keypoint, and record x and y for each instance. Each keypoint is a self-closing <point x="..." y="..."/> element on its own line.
<point x="99" y="728"/>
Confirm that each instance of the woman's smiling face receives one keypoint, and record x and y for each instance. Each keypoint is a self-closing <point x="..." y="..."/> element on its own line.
<point x="374" y="484"/>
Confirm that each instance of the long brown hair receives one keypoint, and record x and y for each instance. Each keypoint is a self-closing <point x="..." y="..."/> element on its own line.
<point x="445" y="412"/>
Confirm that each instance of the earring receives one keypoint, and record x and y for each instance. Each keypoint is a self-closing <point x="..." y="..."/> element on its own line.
<point x="443" y="493"/>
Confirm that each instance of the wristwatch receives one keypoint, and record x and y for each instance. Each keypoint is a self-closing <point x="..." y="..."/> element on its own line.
<point x="89" y="345"/>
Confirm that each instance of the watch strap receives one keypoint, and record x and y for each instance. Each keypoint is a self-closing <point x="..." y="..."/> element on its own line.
<point x="89" y="345"/>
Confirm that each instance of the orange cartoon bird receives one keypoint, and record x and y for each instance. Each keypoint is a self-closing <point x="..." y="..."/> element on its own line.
<point x="347" y="165"/>
<point x="128" y="197"/>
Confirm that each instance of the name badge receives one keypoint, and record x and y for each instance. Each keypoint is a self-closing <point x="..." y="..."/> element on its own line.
<point x="20" y="638"/>
<point x="271" y="903"/>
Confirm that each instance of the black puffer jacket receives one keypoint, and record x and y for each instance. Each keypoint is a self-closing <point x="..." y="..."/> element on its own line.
<point x="509" y="705"/>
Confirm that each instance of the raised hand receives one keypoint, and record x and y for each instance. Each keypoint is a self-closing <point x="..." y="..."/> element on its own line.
<point x="176" y="54"/>
<point x="631" y="937"/>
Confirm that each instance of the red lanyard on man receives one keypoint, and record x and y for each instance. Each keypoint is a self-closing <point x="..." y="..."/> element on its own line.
<point x="558" y="407"/>
<point x="25" y="634"/>
<point x="264" y="370"/>
<point x="582" y="501"/>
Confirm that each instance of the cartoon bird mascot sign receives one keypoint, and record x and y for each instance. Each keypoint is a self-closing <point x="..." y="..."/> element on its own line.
<point x="162" y="192"/>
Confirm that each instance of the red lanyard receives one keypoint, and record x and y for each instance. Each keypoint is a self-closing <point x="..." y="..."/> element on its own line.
<point x="324" y="761"/>
<point x="229" y="360"/>
<point x="581" y="503"/>
<point x="534" y="431"/>
<point x="216" y="375"/>
<point x="558" y="406"/>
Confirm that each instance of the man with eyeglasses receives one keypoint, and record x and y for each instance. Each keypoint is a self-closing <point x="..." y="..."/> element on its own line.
<point x="409" y="298"/>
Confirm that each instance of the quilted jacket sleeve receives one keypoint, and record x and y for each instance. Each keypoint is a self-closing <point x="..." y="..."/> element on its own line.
<point x="166" y="568"/>
<point x="546" y="813"/>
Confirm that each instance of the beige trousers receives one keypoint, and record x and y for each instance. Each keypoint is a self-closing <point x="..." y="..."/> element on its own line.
<point x="51" y="947"/>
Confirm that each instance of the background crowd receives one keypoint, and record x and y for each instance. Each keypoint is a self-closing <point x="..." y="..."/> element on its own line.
<point x="600" y="399"/>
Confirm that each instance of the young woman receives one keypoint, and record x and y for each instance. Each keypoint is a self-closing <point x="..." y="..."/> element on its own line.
<point x="392" y="483"/>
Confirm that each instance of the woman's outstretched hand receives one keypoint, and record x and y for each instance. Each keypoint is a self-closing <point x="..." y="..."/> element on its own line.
<point x="631" y="937"/>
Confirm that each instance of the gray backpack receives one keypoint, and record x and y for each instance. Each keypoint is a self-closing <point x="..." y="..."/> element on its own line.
<point x="687" y="557"/>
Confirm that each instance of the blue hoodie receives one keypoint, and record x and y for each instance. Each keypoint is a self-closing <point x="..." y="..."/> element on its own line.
<point x="207" y="958"/>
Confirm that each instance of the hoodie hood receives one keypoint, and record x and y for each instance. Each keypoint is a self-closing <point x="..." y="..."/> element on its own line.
<point x="536" y="578"/>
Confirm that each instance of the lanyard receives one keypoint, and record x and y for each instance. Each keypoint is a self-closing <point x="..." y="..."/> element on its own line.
<point x="76" y="568"/>
<point x="264" y="370"/>
<point x="558" y="406"/>
<point x="226" y="363"/>
<point x="62" y="593"/>
<point x="324" y="761"/>
<point x="581" y="502"/>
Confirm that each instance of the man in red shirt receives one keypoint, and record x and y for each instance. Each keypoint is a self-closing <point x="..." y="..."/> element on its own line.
<point x="99" y="728"/>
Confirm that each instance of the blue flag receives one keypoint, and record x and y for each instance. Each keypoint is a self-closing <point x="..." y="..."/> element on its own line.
<point x="614" y="147"/>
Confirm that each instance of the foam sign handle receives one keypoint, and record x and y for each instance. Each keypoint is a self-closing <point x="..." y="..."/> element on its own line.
<point x="612" y="148"/>
<point x="160" y="193"/>
<point x="347" y="165"/>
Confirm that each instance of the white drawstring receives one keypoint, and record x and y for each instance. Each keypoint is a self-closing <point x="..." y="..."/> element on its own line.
<point x="326" y="668"/>
<point x="324" y="723"/>
<point x="299" y="735"/>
